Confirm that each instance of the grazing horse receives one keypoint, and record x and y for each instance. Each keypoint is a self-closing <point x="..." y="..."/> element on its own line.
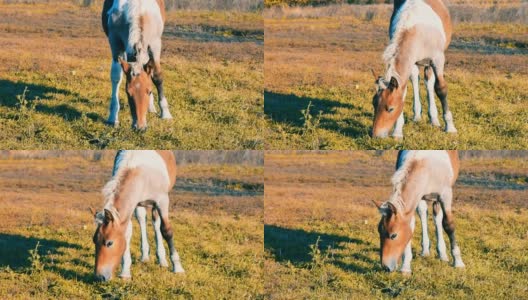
<point x="134" y="29"/>
<point x="420" y="32"/>
<point x="420" y="176"/>
<point x="141" y="179"/>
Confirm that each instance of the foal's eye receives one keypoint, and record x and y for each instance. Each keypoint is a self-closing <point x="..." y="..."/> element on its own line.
<point x="390" y="109"/>
<point x="393" y="236"/>
<point x="149" y="92"/>
<point x="109" y="244"/>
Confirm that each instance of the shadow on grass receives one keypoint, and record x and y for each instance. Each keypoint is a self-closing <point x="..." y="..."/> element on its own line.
<point x="293" y="245"/>
<point x="287" y="109"/>
<point x="9" y="91"/>
<point x="14" y="249"/>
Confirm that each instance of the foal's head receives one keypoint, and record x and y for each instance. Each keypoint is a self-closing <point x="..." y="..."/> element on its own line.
<point x="109" y="240"/>
<point x="388" y="105"/>
<point x="395" y="232"/>
<point x="139" y="90"/>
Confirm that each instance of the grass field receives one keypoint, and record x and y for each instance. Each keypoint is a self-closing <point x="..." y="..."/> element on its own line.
<point x="319" y="88"/>
<point x="55" y="81"/>
<point x="326" y="196"/>
<point x="216" y="214"/>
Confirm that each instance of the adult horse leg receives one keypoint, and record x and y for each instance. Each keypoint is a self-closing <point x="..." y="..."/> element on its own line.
<point x="166" y="231"/>
<point x="417" y="105"/>
<point x="407" y="254"/>
<point x="116" y="75"/>
<point x="126" y="261"/>
<point x="160" y="249"/>
<point x="157" y="78"/>
<point x="141" y="216"/>
<point x="449" y="226"/>
<point x="429" y="83"/>
<point x="422" y="213"/>
<point x="398" y="128"/>
<point x="440" y="243"/>
<point x="441" y="92"/>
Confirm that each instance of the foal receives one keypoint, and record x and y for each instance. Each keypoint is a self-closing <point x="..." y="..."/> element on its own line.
<point x="420" y="32"/>
<point x="141" y="179"/>
<point x="134" y="29"/>
<point x="420" y="176"/>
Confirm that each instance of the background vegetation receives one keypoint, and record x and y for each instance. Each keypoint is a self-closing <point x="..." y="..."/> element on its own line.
<point x="319" y="86"/>
<point x="46" y="249"/>
<point x="321" y="239"/>
<point x="55" y="80"/>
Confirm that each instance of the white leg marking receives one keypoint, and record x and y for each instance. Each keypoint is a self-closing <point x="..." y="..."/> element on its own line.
<point x="152" y="107"/>
<point x="141" y="216"/>
<point x="164" y="106"/>
<point x="441" y="246"/>
<point x="417" y="105"/>
<point x="116" y="76"/>
<point x="433" y="111"/>
<point x="457" y="257"/>
<point x="422" y="213"/>
<point x="450" y="126"/>
<point x="177" y="266"/>
<point x="407" y="254"/>
<point x="160" y="249"/>
<point x="127" y="259"/>
<point x="398" y="128"/>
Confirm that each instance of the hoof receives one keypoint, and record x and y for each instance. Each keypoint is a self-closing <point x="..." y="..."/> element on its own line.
<point x="425" y="253"/>
<point x="178" y="269"/>
<point x="459" y="265"/>
<point x="166" y="116"/>
<point x="125" y="276"/>
<point x="163" y="264"/>
<point x="451" y="130"/>
<point x="417" y="119"/>
<point x="145" y="259"/>
<point x="406" y="273"/>
<point x="443" y="258"/>
<point x="398" y="137"/>
<point x="112" y="124"/>
<point x="152" y="110"/>
<point x="435" y="123"/>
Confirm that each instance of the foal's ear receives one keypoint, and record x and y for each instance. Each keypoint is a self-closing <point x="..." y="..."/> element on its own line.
<point x="108" y="216"/>
<point x="124" y="65"/>
<point x="377" y="203"/>
<point x="376" y="77"/>
<point x="149" y="67"/>
<point x="393" y="84"/>
<point x="387" y="209"/>
<point x="92" y="211"/>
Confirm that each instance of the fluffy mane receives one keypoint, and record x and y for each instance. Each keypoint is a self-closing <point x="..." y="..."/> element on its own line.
<point x="135" y="11"/>
<point x="411" y="13"/>
<point x="398" y="181"/>
<point x="111" y="189"/>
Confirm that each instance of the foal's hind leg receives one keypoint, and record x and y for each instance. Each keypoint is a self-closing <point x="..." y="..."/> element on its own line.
<point x="160" y="249"/>
<point x="417" y="105"/>
<point x="449" y="226"/>
<point x="141" y="216"/>
<point x="157" y="78"/>
<point x="441" y="91"/>
<point x="166" y="231"/>
<point x="422" y="213"/>
<point x="429" y="84"/>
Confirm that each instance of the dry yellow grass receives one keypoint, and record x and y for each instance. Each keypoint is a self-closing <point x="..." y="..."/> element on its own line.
<point x="216" y="213"/>
<point x="326" y="196"/>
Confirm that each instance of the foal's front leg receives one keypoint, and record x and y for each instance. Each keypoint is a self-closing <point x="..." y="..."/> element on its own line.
<point x="157" y="78"/>
<point x="116" y="75"/>
<point x="407" y="254"/>
<point x="417" y="105"/>
<point x="422" y="213"/>
<point x="141" y="216"/>
<point x="126" y="261"/>
<point x="398" y="128"/>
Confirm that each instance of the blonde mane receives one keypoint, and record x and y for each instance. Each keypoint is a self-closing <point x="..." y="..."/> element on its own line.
<point x="398" y="180"/>
<point x="111" y="189"/>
